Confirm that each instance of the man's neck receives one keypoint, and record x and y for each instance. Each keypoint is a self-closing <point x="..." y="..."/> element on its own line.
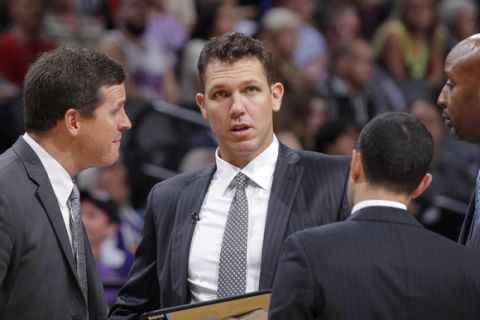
<point x="58" y="148"/>
<point x="374" y="193"/>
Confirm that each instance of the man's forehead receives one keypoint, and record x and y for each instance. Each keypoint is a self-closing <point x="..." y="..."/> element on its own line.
<point x="466" y="51"/>
<point x="247" y="65"/>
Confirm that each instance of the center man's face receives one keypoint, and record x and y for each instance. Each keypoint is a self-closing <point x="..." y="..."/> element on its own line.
<point x="239" y="103"/>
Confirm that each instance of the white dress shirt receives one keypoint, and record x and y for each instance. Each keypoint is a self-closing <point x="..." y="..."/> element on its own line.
<point x="378" y="203"/>
<point x="59" y="178"/>
<point x="207" y="238"/>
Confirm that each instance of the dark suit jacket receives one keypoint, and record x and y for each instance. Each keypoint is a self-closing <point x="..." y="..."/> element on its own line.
<point x="308" y="190"/>
<point x="37" y="269"/>
<point x="467" y="225"/>
<point x="379" y="264"/>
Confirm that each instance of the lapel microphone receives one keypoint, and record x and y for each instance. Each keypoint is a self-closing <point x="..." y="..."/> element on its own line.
<point x="195" y="217"/>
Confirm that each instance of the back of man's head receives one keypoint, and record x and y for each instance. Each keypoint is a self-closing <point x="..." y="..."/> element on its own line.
<point x="231" y="48"/>
<point x="396" y="150"/>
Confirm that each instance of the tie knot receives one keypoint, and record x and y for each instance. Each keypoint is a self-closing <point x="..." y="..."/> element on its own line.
<point x="75" y="195"/>
<point x="241" y="180"/>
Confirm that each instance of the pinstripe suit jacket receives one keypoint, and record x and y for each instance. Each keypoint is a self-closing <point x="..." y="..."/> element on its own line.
<point x="38" y="278"/>
<point x="308" y="189"/>
<point x="467" y="224"/>
<point x="379" y="264"/>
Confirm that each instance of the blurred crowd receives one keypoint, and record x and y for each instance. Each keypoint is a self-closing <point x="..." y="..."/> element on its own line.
<point x="341" y="62"/>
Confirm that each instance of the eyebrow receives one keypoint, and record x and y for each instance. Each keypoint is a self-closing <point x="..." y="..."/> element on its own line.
<point x="243" y="83"/>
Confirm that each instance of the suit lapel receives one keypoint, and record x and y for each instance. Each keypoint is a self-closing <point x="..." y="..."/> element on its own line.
<point x="189" y="205"/>
<point x="467" y="222"/>
<point x="286" y="180"/>
<point x="47" y="199"/>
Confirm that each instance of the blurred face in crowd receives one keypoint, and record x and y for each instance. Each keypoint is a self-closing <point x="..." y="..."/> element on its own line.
<point x="303" y="7"/>
<point x="28" y="14"/>
<point x="467" y="23"/>
<point x="133" y="16"/>
<point x="100" y="135"/>
<point x="239" y="103"/>
<point x="114" y="180"/>
<point x="460" y="97"/>
<point x="361" y="64"/>
<point x="419" y="14"/>
<point x="428" y="114"/>
<point x="96" y="223"/>
<point x="317" y="115"/>
<point x="225" y="19"/>
<point x="348" y="25"/>
<point x="286" y="41"/>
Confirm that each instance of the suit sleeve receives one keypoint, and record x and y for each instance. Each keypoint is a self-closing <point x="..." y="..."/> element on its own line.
<point x="140" y="293"/>
<point x="7" y="239"/>
<point x="345" y="209"/>
<point x="293" y="294"/>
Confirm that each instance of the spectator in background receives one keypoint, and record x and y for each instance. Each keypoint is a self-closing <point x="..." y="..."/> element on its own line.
<point x="461" y="19"/>
<point x="452" y="185"/>
<point x="297" y="122"/>
<point x="183" y="11"/>
<point x="20" y="46"/>
<point x="101" y="221"/>
<point x="279" y="29"/>
<point x="69" y="24"/>
<point x="214" y="18"/>
<point x="166" y="29"/>
<point x="310" y="54"/>
<point x="114" y="180"/>
<point x="411" y="46"/>
<point x="148" y="63"/>
<point x="336" y="138"/>
<point x="352" y="90"/>
<point x="341" y="23"/>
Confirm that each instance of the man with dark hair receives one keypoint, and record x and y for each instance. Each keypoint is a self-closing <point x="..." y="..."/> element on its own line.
<point x="74" y="119"/>
<point x="460" y="102"/>
<point x="381" y="263"/>
<point x="218" y="232"/>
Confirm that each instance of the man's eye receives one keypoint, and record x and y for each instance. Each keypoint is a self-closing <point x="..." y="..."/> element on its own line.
<point x="251" y="90"/>
<point x="220" y="94"/>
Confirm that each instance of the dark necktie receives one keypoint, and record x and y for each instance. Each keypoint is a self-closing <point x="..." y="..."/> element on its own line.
<point x="78" y="239"/>
<point x="232" y="271"/>
<point x="474" y="240"/>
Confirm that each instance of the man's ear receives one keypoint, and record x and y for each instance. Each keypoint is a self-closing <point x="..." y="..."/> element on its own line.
<point x="72" y="121"/>
<point x="427" y="179"/>
<point x="356" y="166"/>
<point x="200" y="100"/>
<point x="277" y="94"/>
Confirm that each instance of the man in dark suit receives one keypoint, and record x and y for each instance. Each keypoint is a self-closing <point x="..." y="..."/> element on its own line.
<point x="180" y="259"/>
<point x="460" y="102"/>
<point x="74" y="119"/>
<point x="381" y="263"/>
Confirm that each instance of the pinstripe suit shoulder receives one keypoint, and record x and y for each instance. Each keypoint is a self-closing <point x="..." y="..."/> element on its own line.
<point x="379" y="264"/>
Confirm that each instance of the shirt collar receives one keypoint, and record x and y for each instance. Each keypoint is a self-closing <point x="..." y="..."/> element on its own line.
<point x="59" y="178"/>
<point x="260" y="170"/>
<point x="378" y="203"/>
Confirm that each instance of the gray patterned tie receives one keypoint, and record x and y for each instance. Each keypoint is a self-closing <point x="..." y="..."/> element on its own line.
<point x="232" y="271"/>
<point x="78" y="240"/>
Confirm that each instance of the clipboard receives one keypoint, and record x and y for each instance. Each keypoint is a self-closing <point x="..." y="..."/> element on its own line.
<point x="217" y="309"/>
